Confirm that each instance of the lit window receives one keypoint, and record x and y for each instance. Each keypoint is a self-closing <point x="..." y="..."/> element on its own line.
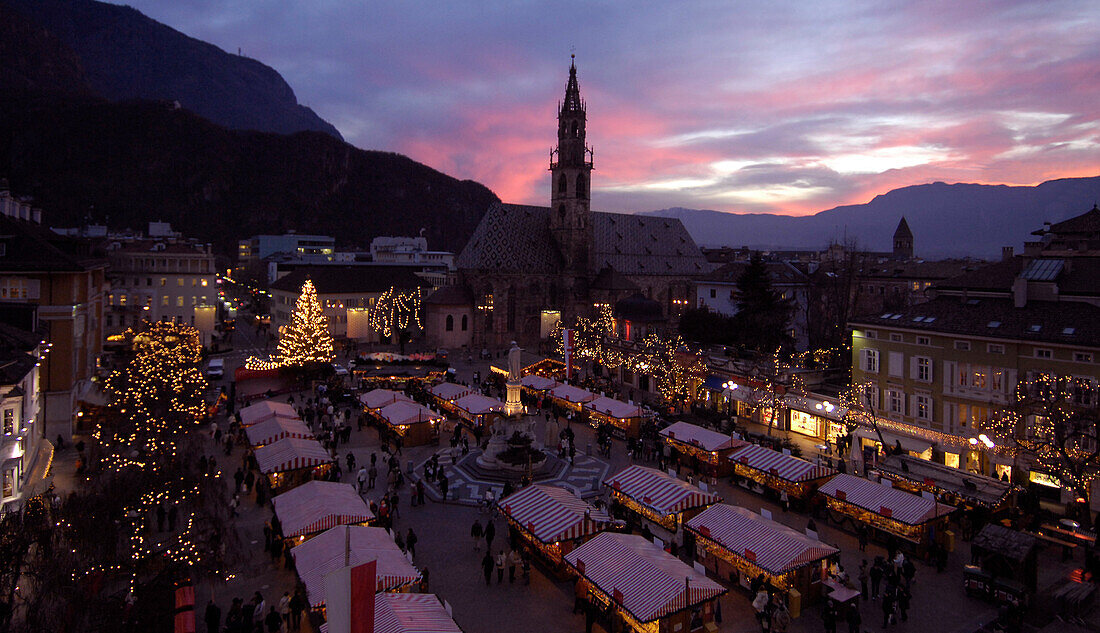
<point x="204" y="282"/>
<point x="164" y="300"/>
<point x="924" y="369"/>
<point x="164" y="281"/>
<point x="179" y="281"/>
<point x="1082" y="357"/>
<point x="179" y="301"/>
<point x="923" y="408"/>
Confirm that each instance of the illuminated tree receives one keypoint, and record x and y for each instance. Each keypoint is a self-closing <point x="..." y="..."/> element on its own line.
<point x="672" y="365"/>
<point x="397" y="313"/>
<point x="1054" y="420"/>
<point x="306" y="338"/>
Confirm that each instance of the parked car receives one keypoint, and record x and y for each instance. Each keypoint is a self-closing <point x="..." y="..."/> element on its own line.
<point x="216" y="369"/>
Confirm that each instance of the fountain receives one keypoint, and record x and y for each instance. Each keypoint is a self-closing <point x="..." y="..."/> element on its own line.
<point x="513" y="446"/>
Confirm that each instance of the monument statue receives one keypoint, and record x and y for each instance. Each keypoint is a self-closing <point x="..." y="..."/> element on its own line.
<point x="513" y="431"/>
<point x="514" y="363"/>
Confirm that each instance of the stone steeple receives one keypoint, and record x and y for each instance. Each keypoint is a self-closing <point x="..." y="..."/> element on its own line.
<point x="903" y="241"/>
<point x="570" y="181"/>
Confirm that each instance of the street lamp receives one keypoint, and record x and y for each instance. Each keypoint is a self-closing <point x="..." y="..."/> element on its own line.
<point x="728" y="388"/>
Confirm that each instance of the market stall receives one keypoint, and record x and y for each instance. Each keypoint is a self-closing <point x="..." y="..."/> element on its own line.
<point x="351" y="545"/>
<point x="256" y="413"/>
<point x="292" y="461"/>
<point x="704" y="450"/>
<point x="736" y="543"/>
<point x="316" y="506"/>
<point x="413" y="422"/>
<point x="570" y="397"/>
<point x="552" y="521"/>
<point x="657" y="497"/>
<point x="396" y="376"/>
<point x="411" y="613"/>
<point x="760" y="468"/>
<point x="475" y="409"/>
<point x="445" y="393"/>
<point x="275" y="429"/>
<point x="377" y="398"/>
<point x="889" y="512"/>
<point x="1007" y="567"/>
<point x="625" y="419"/>
<point x="950" y="485"/>
<point x="647" y="589"/>
<point x="537" y="385"/>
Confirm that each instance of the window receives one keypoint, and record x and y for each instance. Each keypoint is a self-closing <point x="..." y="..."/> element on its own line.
<point x="563" y="186"/>
<point x="870" y="394"/>
<point x="962" y="346"/>
<point x="870" y="361"/>
<point x="896" y="338"/>
<point x="924" y="368"/>
<point x="580" y="186"/>
<point x="1082" y="357"/>
<point x="203" y="283"/>
<point x="465" y="322"/>
<point x="122" y="300"/>
<point x="1043" y="353"/>
<point x="922" y="408"/>
<point x="997" y="380"/>
<point x="713" y="293"/>
<point x="164" y="300"/>
<point x="9" y="421"/>
<point x="895" y="364"/>
<point x="179" y="281"/>
<point x="164" y="281"/>
<point x="924" y="340"/>
<point x="148" y="281"/>
<point x="194" y="300"/>
<point x="179" y="301"/>
<point x="995" y="348"/>
<point x="194" y="282"/>
<point x="450" y="323"/>
<point x="895" y="401"/>
<point x="871" y="333"/>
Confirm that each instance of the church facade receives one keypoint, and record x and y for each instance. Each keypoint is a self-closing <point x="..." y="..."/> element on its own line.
<point x="526" y="267"/>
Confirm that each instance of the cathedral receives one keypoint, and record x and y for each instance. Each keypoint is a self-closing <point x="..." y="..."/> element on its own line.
<point x="527" y="267"/>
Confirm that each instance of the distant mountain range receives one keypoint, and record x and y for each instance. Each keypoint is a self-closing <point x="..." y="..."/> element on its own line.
<point x="89" y="153"/>
<point x="947" y="220"/>
<point x="126" y="55"/>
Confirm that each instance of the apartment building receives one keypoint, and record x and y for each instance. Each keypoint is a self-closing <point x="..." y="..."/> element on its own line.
<point x="158" y="280"/>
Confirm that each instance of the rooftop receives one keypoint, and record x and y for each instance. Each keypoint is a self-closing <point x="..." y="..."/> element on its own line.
<point x="350" y="279"/>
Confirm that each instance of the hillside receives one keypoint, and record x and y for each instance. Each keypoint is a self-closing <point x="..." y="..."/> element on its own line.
<point x="948" y="220"/>
<point x="85" y="158"/>
<point x="126" y="55"/>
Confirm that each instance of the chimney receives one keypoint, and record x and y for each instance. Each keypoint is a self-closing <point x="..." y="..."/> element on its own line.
<point x="1006" y="253"/>
<point x="1019" y="292"/>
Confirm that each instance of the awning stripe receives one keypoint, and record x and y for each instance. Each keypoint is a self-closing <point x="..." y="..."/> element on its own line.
<point x="660" y="491"/>
<point x="553" y="514"/>
<point x="776" y="547"/>
<point x="877" y="498"/>
<point x="779" y="464"/>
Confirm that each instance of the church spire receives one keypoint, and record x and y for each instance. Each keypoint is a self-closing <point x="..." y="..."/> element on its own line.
<point x="573" y="102"/>
<point x="571" y="177"/>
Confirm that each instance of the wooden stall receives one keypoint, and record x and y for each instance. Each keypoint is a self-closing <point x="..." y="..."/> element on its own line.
<point x="570" y="397"/>
<point x="704" y="450"/>
<point x="351" y="545"/>
<point x="1007" y="565"/>
<point x="738" y="544"/>
<point x="950" y="485"/>
<point x="889" y="512"/>
<point x="375" y="399"/>
<point x="552" y="521"/>
<point x="445" y="394"/>
<point x="625" y="419"/>
<point x="256" y="413"/>
<point x="777" y="471"/>
<point x="274" y="429"/>
<point x="537" y="385"/>
<point x="317" y="506"/>
<point x="413" y="422"/>
<point x="657" y="497"/>
<point x="646" y="589"/>
<point x="292" y="461"/>
<point x="476" y="409"/>
<point x="411" y="613"/>
<point x="373" y="376"/>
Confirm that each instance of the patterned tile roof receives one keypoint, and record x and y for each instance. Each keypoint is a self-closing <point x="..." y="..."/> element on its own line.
<point x="512" y="238"/>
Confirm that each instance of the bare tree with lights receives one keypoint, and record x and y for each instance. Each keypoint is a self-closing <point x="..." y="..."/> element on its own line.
<point x="397" y="313"/>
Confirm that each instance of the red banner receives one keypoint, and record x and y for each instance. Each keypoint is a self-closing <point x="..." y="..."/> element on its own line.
<point x="567" y="340"/>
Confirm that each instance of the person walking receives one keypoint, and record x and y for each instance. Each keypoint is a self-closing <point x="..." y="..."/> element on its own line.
<point x="500" y="567"/>
<point x="238" y="479"/>
<point x="490" y="532"/>
<point x="249" y="479"/>
<point x="854" y="617"/>
<point x="876" y="578"/>
<point x="297" y="607"/>
<point x="475" y="532"/>
<point x="760" y="606"/>
<point x="273" y="621"/>
<point x="862" y="538"/>
<point x="863" y="577"/>
<point x="361" y="478"/>
<point x="887" y="609"/>
<point x="372" y="474"/>
<point x="903" y="603"/>
<point x="828" y="617"/>
<point x="513" y="560"/>
<point x="410" y="542"/>
<point x="443" y="483"/>
<point x="781" y="618"/>
<point x="212" y="617"/>
<point x="487" y="567"/>
<point x="284" y="610"/>
<point x="420" y="492"/>
<point x="350" y="460"/>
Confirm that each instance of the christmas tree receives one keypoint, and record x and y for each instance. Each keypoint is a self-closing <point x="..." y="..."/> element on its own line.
<point x="306" y="338"/>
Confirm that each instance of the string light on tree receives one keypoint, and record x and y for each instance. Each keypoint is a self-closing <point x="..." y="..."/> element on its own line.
<point x="396" y="311"/>
<point x="306" y="338"/>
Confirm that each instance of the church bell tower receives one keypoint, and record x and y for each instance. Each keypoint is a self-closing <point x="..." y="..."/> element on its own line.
<point x="571" y="180"/>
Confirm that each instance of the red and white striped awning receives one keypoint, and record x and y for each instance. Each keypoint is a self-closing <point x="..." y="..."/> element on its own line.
<point x="449" y="391"/>
<point x="778" y="464"/>
<point x="477" y="404"/>
<point x="378" y="398"/>
<point x="291" y="453"/>
<point x="884" y="500"/>
<point x="705" y="439"/>
<point x="411" y="613"/>
<point x="766" y="543"/>
<point x="352" y="545"/>
<point x="614" y="408"/>
<point x="265" y="410"/>
<point x="659" y="491"/>
<point x="405" y="412"/>
<point x="641" y="577"/>
<point x="569" y="393"/>
<point x="553" y="514"/>
<point x="274" y="429"/>
<point x="319" y="505"/>
<point x="538" y="383"/>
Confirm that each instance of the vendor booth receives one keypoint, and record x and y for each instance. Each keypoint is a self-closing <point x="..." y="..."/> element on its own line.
<point x="316" y="506"/>
<point x="658" y="497"/>
<point x="738" y="544"/>
<point x="625" y="419"/>
<point x="950" y="485"/>
<point x="413" y="422"/>
<point x="646" y="589"/>
<point x="704" y="450"/>
<point x="889" y="512"/>
<point x="292" y="461"/>
<point x="552" y="521"/>
<point x="256" y="413"/>
<point x="411" y="613"/>
<point x="275" y="429"/>
<point x="475" y="409"/>
<point x="446" y="393"/>
<point x="377" y="398"/>
<point x="1006" y="569"/>
<point x="762" y="468"/>
<point x="537" y="385"/>
<point x="351" y="545"/>
<point x="570" y="397"/>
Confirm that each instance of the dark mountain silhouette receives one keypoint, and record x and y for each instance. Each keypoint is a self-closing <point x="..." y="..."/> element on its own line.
<point x="84" y="158"/>
<point x="947" y="220"/>
<point x="126" y="55"/>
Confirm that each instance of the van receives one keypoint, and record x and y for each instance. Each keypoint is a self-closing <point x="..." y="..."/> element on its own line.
<point x="216" y="368"/>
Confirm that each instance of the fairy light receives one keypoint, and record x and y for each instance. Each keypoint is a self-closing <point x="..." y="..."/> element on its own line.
<point x="396" y="311"/>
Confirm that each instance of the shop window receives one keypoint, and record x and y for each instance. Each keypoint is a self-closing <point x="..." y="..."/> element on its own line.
<point x="9" y="421"/>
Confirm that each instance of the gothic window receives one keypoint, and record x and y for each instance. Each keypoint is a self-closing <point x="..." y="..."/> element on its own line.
<point x="465" y="323"/>
<point x="581" y="187"/>
<point x="576" y="130"/>
<point x="564" y="129"/>
<point x="563" y="186"/>
<point x="561" y="211"/>
<point x="450" y="323"/>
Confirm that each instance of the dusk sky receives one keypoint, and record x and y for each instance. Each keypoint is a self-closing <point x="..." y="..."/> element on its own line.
<point x="789" y="107"/>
